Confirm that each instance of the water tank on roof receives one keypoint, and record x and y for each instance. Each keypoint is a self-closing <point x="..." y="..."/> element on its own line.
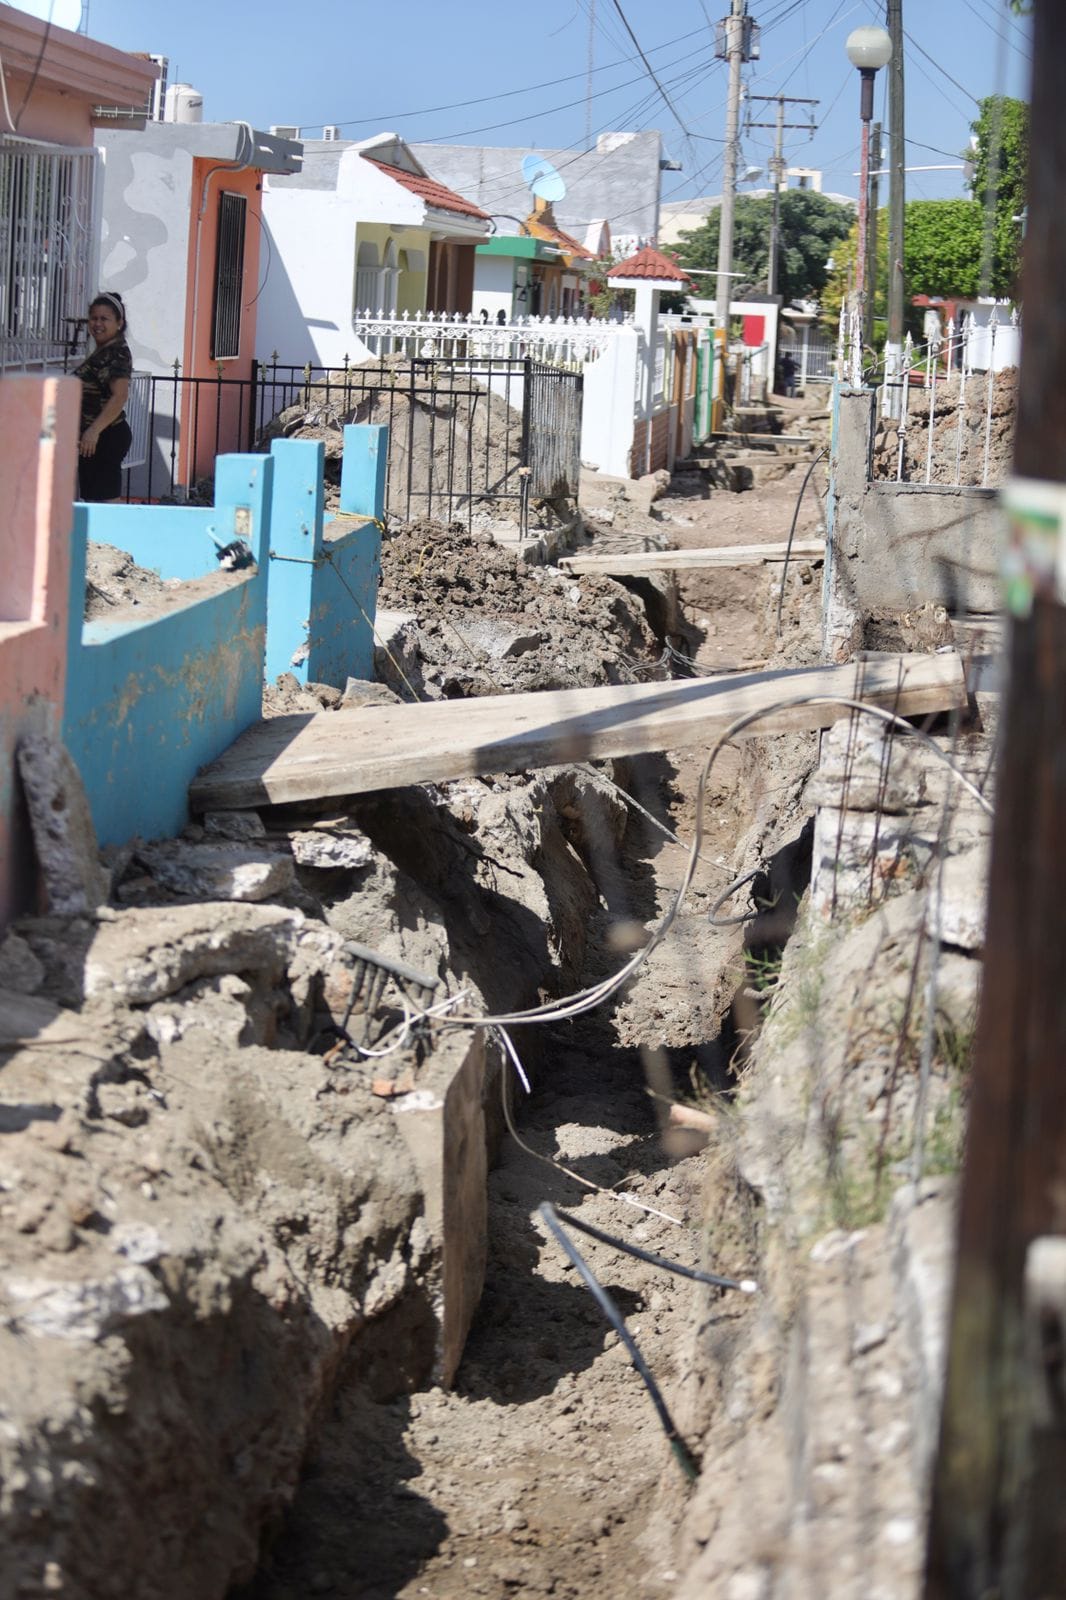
<point x="183" y="104"/>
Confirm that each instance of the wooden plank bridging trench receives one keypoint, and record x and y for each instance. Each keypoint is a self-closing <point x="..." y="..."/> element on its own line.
<point x="318" y="754"/>
<point x="727" y="555"/>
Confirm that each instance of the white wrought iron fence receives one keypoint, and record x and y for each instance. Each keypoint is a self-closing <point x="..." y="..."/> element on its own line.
<point x="47" y="241"/>
<point x="946" y="405"/>
<point x="559" y="341"/>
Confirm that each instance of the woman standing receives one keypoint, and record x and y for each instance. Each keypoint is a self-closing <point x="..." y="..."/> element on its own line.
<point x="105" y="387"/>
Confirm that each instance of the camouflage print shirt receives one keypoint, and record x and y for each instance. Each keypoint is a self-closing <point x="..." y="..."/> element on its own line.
<point x="97" y="373"/>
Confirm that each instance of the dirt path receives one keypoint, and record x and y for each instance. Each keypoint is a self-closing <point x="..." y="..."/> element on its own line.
<point x="545" y="1470"/>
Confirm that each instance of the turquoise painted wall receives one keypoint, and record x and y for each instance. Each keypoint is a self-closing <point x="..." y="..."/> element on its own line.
<point x="149" y="702"/>
<point x="324" y="573"/>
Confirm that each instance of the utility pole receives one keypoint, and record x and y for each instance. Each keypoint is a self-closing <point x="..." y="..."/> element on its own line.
<point x="998" y="1521"/>
<point x="735" y="42"/>
<point x="896" y="197"/>
<point x="777" y="171"/>
<point x="876" y="156"/>
<point x="734" y="55"/>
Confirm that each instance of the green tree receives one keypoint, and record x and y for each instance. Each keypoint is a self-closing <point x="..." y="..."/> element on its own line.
<point x="840" y="281"/>
<point x="942" y="255"/>
<point x="809" y="228"/>
<point x="999" y="185"/>
<point x="942" y="248"/>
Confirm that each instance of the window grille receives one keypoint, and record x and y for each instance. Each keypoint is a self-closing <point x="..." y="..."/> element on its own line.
<point x="47" y="240"/>
<point x="229" y="277"/>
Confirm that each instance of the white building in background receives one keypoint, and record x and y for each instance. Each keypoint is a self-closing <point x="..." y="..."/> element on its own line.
<point x="361" y="228"/>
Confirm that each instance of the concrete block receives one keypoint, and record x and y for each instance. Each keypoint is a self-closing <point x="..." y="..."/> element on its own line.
<point x="75" y="882"/>
<point x="443" y="1126"/>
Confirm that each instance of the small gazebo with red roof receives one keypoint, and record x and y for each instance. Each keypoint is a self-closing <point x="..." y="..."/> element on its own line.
<point x="649" y="269"/>
<point x="648" y="274"/>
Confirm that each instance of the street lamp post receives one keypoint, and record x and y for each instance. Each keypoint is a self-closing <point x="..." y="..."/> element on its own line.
<point x="869" y="49"/>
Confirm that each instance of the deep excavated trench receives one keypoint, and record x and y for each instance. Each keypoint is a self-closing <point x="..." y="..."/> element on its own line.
<point x="544" y="1470"/>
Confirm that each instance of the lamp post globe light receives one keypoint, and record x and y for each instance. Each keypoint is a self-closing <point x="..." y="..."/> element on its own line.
<point x="869" y="49"/>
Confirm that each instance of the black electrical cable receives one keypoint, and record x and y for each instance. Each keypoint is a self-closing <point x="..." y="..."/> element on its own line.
<point x="682" y="1453"/>
<point x="715" y="921"/>
<point x="744" y="1286"/>
<point x="791" y="534"/>
<point x="35" y="74"/>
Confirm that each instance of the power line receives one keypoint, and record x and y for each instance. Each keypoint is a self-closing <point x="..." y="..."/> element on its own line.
<point x="650" y="69"/>
<point x="508" y="94"/>
<point x="568" y="105"/>
<point x="502" y="186"/>
<point x="1006" y="17"/>
<point x="942" y="70"/>
<point x="36" y="65"/>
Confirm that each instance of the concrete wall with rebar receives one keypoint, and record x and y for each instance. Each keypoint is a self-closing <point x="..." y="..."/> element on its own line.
<point x="893" y="546"/>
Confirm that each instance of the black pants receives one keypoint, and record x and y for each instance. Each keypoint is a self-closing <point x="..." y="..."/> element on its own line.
<point x="100" y="475"/>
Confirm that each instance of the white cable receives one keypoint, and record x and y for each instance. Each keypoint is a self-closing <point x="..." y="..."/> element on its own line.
<point x="587" y="999"/>
<point x="559" y="1166"/>
<point x="7" y="104"/>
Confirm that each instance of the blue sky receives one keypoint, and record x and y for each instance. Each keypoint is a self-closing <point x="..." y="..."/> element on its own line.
<point x="410" y="67"/>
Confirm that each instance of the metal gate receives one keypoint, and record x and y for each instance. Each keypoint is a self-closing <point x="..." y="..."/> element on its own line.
<point x="552" y="425"/>
<point x="469" y="437"/>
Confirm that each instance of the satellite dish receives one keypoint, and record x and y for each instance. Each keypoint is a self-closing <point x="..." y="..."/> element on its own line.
<point x="60" y="13"/>
<point x="542" y="178"/>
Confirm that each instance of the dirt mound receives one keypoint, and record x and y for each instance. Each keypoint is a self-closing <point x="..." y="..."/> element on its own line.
<point x="452" y="439"/>
<point x="114" y="582"/>
<point x="489" y="622"/>
<point x="116" y="587"/>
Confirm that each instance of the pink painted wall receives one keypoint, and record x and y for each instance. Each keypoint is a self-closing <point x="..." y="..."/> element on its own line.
<point x="54" y="78"/>
<point x="38" y="462"/>
<point x="51" y="114"/>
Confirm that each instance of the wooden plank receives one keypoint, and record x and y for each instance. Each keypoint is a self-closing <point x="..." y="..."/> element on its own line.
<point x="761" y="458"/>
<point x="726" y="555"/>
<point x="365" y="749"/>
<point x="716" y="439"/>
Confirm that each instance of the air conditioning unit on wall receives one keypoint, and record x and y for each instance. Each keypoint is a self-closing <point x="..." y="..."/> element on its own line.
<point x="284" y="130"/>
<point x="331" y="133"/>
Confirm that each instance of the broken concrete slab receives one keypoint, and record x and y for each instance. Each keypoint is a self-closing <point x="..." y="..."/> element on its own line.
<point x="240" y="826"/>
<point x="62" y="825"/>
<point x="397" y="657"/>
<point x="499" y="641"/>
<point x="222" y="871"/>
<point x="140" y="955"/>
<point x="865" y="768"/>
<point x="314" y="847"/>
<point x="958" y="901"/>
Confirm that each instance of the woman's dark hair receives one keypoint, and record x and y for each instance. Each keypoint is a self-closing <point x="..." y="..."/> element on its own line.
<point x="113" y="302"/>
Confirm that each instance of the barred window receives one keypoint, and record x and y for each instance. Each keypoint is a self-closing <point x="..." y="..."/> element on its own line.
<point x="47" y="236"/>
<point x="229" y="277"/>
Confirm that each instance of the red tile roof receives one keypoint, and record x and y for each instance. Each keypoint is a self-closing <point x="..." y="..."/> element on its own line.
<point x="427" y="189"/>
<point x="651" y="263"/>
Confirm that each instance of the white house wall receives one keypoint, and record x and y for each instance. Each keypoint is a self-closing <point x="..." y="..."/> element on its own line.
<point x="145" y="220"/>
<point x="306" y="308"/>
<point x="493" y="285"/>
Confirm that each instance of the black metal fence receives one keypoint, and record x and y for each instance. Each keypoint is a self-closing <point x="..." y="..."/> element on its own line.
<point x="468" y="436"/>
